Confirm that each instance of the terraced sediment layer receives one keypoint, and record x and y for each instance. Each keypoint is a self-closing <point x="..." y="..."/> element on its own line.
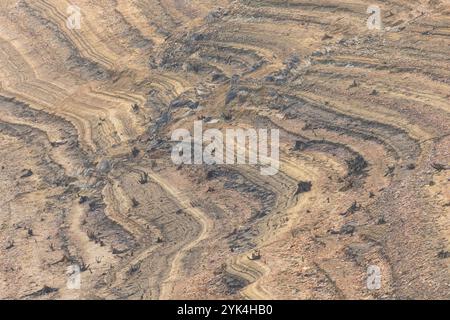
<point x="86" y="176"/>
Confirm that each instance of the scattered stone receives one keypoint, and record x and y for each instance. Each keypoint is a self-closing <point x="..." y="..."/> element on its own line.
<point x="26" y="173"/>
<point x="104" y="166"/>
<point x="135" y="152"/>
<point x="356" y="165"/>
<point x="389" y="171"/>
<point x="179" y="103"/>
<point x="410" y="166"/>
<point x="232" y="283"/>
<point x="231" y="95"/>
<point x="255" y="255"/>
<point x="292" y="62"/>
<point x="299" y="145"/>
<point x="134" y="202"/>
<point x="216" y="14"/>
<point x="135" y="108"/>
<point x="381" y="220"/>
<point x="93" y="205"/>
<point x="42" y="292"/>
<point x="216" y="77"/>
<point x="83" y="266"/>
<point x="118" y="251"/>
<point x="234" y="81"/>
<point x="91" y="235"/>
<point x="352" y="209"/>
<point x="443" y="254"/>
<point x="212" y="121"/>
<point x="347" y="229"/>
<point x="9" y="245"/>
<point x="57" y="143"/>
<point x="226" y="116"/>
<point x="303" y="186"/>
<point x="83" y="199"/>
<point x="198" y="37"/>
<point x="353" y="85"/>
<point x="133" y="269"/>
<point x="438" y="166"/>
<point x="143" y="179"/>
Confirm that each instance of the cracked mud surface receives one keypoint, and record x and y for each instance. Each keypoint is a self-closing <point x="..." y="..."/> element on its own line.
<point x="87" y="179"/>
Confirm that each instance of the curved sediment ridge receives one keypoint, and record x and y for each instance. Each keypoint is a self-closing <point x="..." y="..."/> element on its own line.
<point x="87" y="179"/>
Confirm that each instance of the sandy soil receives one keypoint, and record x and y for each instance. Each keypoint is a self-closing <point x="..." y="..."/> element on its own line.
<point x="87" y="179"/>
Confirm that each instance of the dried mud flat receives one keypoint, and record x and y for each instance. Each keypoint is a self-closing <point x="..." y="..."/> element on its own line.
<point x="87" y="179"/>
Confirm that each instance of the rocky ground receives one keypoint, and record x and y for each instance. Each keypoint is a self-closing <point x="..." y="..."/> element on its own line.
<point x="86" y="176"/>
